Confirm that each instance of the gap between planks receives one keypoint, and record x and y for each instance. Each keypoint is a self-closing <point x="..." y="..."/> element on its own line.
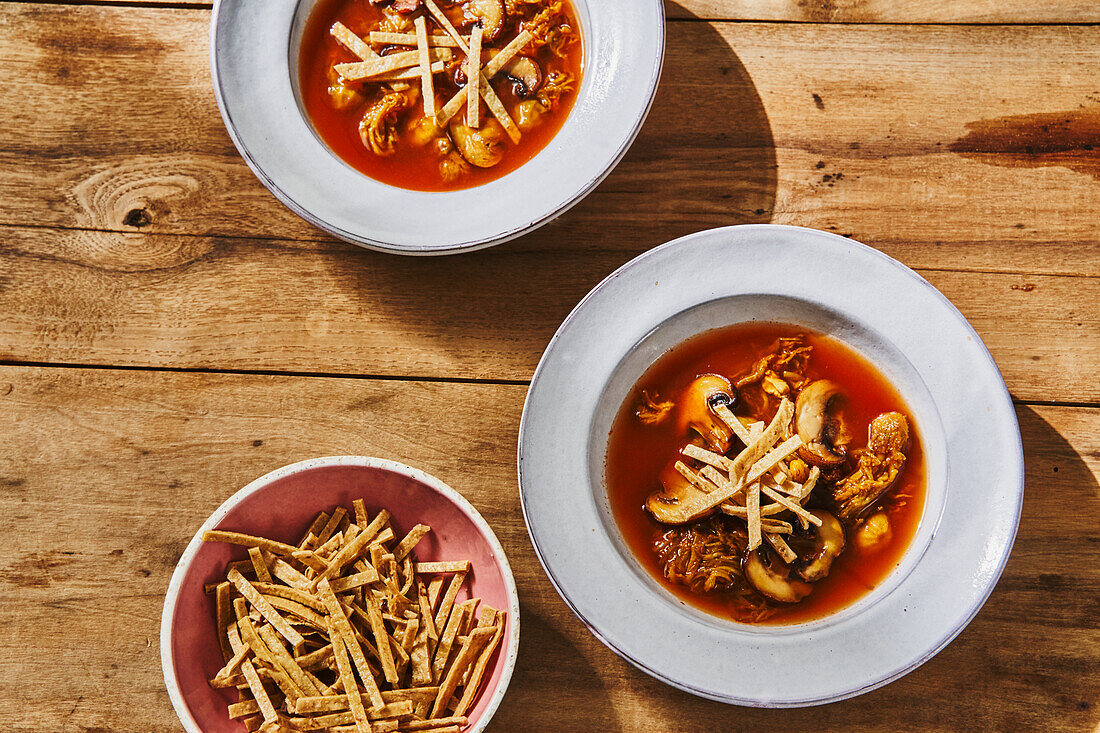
<point x="375" y="377"/>
<point x="878" y="244"/>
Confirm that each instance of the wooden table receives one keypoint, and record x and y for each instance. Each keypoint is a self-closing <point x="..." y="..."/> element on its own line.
<point x="169" y="331"/>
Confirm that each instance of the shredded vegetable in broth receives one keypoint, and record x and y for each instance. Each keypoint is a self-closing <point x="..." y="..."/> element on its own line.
<point x="765" y="473"/>
<point x="434" y="95"/>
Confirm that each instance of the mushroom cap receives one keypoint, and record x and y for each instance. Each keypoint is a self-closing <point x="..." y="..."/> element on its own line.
<point x="772" y="577"/>
<point x="694" y="412"/>
<point x="826" y="544"/>
<point x="666" y="505"/>
<point x="814" y="426"/>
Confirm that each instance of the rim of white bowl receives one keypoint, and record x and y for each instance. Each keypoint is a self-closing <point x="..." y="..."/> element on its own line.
<point x="930" y="651"/>
<point x="167" y="658"/>
<point x="362" y="239"/>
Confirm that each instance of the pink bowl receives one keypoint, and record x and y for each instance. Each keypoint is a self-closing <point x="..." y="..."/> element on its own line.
<point x="281" y="506"/>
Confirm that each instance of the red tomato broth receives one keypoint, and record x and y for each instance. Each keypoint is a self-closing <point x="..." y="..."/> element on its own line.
<point x="636" y="454"/>
<point x="412" y="167"/>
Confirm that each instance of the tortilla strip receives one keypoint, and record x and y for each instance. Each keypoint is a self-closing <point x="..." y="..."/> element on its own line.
<point x="466" y="656"/>
<point x="258" y="692"/>
<point x="223" y="615"/>
<point x="337" y="703"/>
<point x="433" y="725"/>
<point x="331" y="525"/>
<point x="696" y="480"/>
<point x="447" y="638"/>
<point x="734" y="423"/>
<point x="291" y="594"/>
<point x="286" y="662"/>
<point x="781" y="547"/>
<point x="775" y="526"/>
<point x="473" y="680"/>
<point x="311" y="533"/>
<point x="265" y="608"/>
<point x="258" y="565"/>
<point x="360" y="512"/>
<point x="752" y="509"/>
<point x="409" y="39"/>
<point x="316" y="658"/>
<point x="352" y="42"/>
<point x="739" y="511"/>
<point x="490" y="70"/>
<point x="420" y="658"/>
<point x="360" y="70"/>
<point x="774" y="457"/>
<point x="305" y="613"/>
<point x="243" y="708"/>
<point x="339" y="620"/>
<point x="447" y="603"/>
<point x="793" y="506"/>
<point x="444" y="21"/>
<point x="748" y="458"/>
<point x="427" y="88"/>
<point x="287" y="573"/>
<point x="405" y="546"/>
<point x="310" y="560"/>
<point x="807" y="487"/>
<point x="455" y="566"/>
<point x="506" y="54"/>
<point x="382" y="639"/>
<point x="252" y="638"/>
<point x="434" y="587"/>
<point x="709" y="457"/>
<point x="247" y="540"/>
<point x="347" y="554"/>
<point x="342" y="585"/>
<point x="377" y="524"/>
<point x="343" y="665"/>
<point x="473" y="78"/>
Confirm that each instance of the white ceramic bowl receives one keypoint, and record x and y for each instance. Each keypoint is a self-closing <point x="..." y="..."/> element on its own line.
<point x="254" y="63"/>
<point x="280" y="505"/>
<point x="883" y="310"/>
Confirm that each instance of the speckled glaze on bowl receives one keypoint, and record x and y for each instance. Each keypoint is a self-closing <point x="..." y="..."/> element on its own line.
<point x="281" y="505"/>
<point x="878" y="307"/>
<point x="254" y="64"/>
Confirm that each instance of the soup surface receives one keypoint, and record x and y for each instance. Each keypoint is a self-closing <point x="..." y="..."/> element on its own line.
<point x="643" y="444"/>
<point x="381" y="126"/>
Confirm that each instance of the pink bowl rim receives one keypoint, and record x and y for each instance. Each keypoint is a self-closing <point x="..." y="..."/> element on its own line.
<point x="167" y="659"/>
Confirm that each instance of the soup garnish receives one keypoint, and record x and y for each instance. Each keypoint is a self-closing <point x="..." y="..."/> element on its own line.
<point x="765" y="473"/>
<point x="443" y="96"/>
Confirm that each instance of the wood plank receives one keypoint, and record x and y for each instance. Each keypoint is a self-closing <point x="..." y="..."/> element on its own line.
<point x="202" y="302"/>
<point x="888" y="11"/>
<point x="854" y="129"/>
<point x="126" y="465"/>
<point x="844" y="11"/>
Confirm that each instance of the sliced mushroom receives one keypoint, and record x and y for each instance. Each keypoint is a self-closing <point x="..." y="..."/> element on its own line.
<point x="816" y="428"/>
<point x="696" y="410"/>
<point x="666" y="505"/>
<point x="772" y="577"/>
<point x="526" y="76"/>
<point x="825" y="545"/>
<point x="490" y="13"/>
<point x="483" y="148"/>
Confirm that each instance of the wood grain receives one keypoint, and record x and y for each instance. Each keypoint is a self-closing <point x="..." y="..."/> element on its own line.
<point x="840" y="11"/>
<point x="106" y="473"/>
<point x="201" y="302"/>
<point x="888" y="11"/>
<point x="864" y="130"/>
